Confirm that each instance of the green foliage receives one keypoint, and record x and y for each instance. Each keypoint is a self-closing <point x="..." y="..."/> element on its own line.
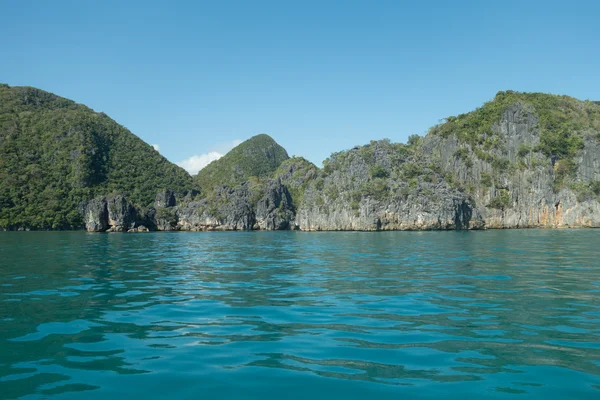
<point x="412" y="170"/>
<point x="166" y="213"/>
<point x="483" y="155"/>
<point x="563" y="121"/>
<point x="377" y="171"/>
<point x="395" y="153"/>
<point x="377" y="189"/>
<point x="563" y="169"/>
<point x="586" y="191"/>
<point x="414" y="140"/>
<point x="327" y="167"/>
<point x="501" y="201"/>
<point x="331" y="192"/>
<point x="296" y="173"/>
<point x="486" y="179"/>
<point x="319" y="183"/>
<point x="56" y="154"/>
<point x="259" y="156"/>
<point x="524" y="150"/>
<point x="595" y="187"/>
<point x="562" y="143"/>
<point x="461" y="153"/>
<point x="500" y="164"/>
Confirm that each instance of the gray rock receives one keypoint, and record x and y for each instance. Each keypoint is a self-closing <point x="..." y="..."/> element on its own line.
<point x="436" y="182"/>
<point x="96" y="215"/>
<point x="427" y="207"/>
<point x="275" y="210"/>
<point x="364" y="189"/>
<point x="121" y="214"/>
<point x="165" y="198"/>
<point x="191" y="195"/>
<point x="227" y="209"/>
<point x="140" y="228"/>
<point x="528" y="181"/>
<point x="165" y="219"/>
<point x="109" y="214"/>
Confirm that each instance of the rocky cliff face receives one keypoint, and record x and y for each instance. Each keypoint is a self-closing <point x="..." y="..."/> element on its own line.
<point x="244" y="207"/>
<point x="275" y="211"/>
<point x="111" y="214"/>
<point x="375" y="187"/>
<point x="516" y="185"/>
<point x="520" y="161"/>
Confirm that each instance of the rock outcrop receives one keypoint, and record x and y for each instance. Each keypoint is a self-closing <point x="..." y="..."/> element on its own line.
<point x="515" y="184"/>
<point x="110" y="214"/>
<point x="520" y="161"/>
<point x="96" y="215"/>
<point x="275" y="210"/>
<point x="165" y="198"/>
<point x="121" y="214"/>
<point x="368" y="189"/>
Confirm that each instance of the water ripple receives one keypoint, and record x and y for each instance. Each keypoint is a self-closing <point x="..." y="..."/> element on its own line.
<point x="295" y="315"/>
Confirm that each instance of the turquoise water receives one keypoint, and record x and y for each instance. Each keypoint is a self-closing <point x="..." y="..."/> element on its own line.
<point x="487" y="315"/>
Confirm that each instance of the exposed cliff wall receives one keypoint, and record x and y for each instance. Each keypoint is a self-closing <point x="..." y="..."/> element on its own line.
<point x="522" y="160"/>
<point x="112" y="214"/>
<point x="516" y="185"/>
<point x="381" y="187"/>
<point x="244" y="207"/>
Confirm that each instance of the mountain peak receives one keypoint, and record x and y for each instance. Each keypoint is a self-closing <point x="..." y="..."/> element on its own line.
<point x="256" y="157"/>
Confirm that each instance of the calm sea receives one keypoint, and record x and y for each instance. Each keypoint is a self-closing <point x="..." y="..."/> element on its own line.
<point x="293" y="315"/>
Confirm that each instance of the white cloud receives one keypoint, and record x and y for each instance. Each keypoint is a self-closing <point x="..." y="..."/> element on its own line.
<point x="156" y="147"/>
<point x="196" y="162"/>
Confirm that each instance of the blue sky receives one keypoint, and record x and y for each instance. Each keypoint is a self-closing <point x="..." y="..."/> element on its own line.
<point x="194" y="77"/>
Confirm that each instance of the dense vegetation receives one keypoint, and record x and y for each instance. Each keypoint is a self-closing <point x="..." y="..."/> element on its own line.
<point x="56" y="154"/>
<point x="563" y="121"/>
<point x="258" y="157"/>
<point x="296" y="173"/>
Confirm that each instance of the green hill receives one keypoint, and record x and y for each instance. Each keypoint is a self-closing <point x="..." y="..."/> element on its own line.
<point x="520" y="160"/>
<point x="56" y="154"/>
<point x="563" y="121"/>
<point x="257" y="157"/>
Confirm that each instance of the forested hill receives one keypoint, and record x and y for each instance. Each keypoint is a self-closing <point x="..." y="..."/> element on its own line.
<point x="520" y="160"/>
<point x="55" y="155"/>
<point x="257" y="157"/>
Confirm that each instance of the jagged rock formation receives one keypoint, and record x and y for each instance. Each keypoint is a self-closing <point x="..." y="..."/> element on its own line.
<point x="376" y="187"/>
<point x="110" y="214"/>
<point x="275" y="210"/>
<point x="527" y="170"/>
<point x="521" y="160"/>
<point x="243" y="207"/>
<point x="96" y="215"/>
<point x="165" y="198"/>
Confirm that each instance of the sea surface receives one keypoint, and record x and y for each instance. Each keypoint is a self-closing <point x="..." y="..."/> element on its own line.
<point x="296" y="315"/>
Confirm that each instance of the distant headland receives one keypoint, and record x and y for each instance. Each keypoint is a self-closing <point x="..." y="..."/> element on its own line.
<point x="522" y="160"/>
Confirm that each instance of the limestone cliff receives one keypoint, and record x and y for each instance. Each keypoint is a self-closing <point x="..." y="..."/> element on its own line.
<point x="381" y="187"/>
<point x="515" y="178"/>
<point x="522" y="160"/>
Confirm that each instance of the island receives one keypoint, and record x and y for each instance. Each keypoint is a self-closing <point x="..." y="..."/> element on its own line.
<point x="522" y="160"/>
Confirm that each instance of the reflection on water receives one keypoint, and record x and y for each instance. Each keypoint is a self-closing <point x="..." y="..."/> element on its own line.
<point x="293" y="315"/>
